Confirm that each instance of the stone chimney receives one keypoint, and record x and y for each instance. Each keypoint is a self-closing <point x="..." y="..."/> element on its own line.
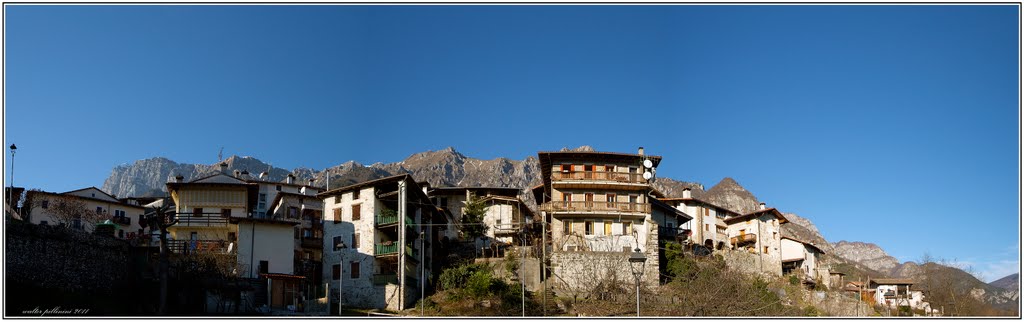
<point x="311" y="182"/>
<point x="179" y="178"/>
<point x="640" y="151"/>
<point x="264" y="175"/>
<point x="762" y="206"/>
<point x="245" y="174"/>
<point x="686" y="192"/>
<point x="291" y="179"/>
<point x="238" y="173"/>
<point x="224" y="167"/>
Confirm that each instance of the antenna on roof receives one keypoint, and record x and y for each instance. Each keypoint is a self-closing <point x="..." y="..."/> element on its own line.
<point x="220" y="155"/>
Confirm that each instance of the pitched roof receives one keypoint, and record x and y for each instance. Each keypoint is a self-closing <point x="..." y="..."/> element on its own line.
<point x="112" y="198"/>
<point x="700" y="200"/>
<point x="772" y="211"/>
<point x="545" y="159"/>
<point x="117" y="202"/>
<point x="891" y="281"/>
<point x="679" y="213"/>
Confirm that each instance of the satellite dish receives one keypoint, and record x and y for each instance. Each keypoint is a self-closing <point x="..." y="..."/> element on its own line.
<point x="648" y="164"/>
<point x="648" y="175"/>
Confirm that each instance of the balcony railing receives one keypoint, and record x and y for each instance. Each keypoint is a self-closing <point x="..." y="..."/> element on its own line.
<point x="209" y="246"/>
<point x="669" y="233"/>
<point x="595" y="206"/>
<point x="122" y="220"/>
<point x="743" y="239"/>
<point x="598" y="176"/>
<point x="312" y="242"/>
<point x="381" y="249"/>
<point x="382" y="279"/>
<point x="386" y="219"/>
<point x="200" y="221"/>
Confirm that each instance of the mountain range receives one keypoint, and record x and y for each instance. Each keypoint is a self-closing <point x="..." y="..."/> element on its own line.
<point x="448" y="167"/>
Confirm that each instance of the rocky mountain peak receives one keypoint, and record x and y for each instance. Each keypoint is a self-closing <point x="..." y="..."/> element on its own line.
<point x="583" y="148"/>
<point x="730" y="194"/>
<point x="1010" y="282"/>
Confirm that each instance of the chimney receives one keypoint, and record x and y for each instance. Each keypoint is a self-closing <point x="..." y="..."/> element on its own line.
<point x="238" y="173"/>
<point x="762" y="206"/>
<point x="640" y="151"/>
<point x="310" y="182"/>
<point x="291" y="179"/>
<point x="686" y="192"/>
<point x="179" y="178"/>
<point x="224" y="167"/>
<point x="245" y="174"/>
<point x="263" y="175"/>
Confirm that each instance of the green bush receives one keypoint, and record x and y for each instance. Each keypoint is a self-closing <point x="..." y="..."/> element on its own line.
<point x="479" y="284"/>
<point x="793" y="280"/>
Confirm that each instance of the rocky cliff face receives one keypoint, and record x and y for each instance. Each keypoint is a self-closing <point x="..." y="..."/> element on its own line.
<point x="867" y="254"/>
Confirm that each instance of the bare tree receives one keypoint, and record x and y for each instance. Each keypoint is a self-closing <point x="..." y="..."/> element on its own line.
<point x="158" y="219"/>
<point x="72" y="212"/>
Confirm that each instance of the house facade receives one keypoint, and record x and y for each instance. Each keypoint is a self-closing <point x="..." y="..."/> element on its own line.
<point x="214" y="216"/>
<point x="758" y="233"/>
<point x="296" y="202"/>
<point x="896" y="292"/>
<point x="376" y="243"/>
<point x="49" y="208"/>
<point x="802" y="256"/>
<point x="598" y="207"/>
<point x="505" y="214"/>
<point x="708" y="227"/>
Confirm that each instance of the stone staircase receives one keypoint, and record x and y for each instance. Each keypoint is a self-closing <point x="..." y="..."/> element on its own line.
<point x="551" y="306"/>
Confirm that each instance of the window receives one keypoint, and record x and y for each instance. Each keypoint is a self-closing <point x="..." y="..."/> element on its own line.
<point x="197" y="212"/>
<point x="632" y="170"/>
<point x="231" y="236"/>
<point x="611" y="200"/>
<point x="264" y="267"/>
<point x="609" y="168"/>
<point x="193" y="236"/>
<point x="337" y="198"/>
<point x="355" y="240"/>
<point x="627" y="228"/>
<point x="444" y="202"/>
<point x="296" y="230"/>
<point x="355" y="269"/>
<point x="278" y="187"/>
<point x="99" y="210"/>
<point x="119" y="213"/>
<point x="46" y="204"/>
<point x="225" y="212"/>
<point x="307" y="233"/>
<point x="765" y="249"/>
<point x="589" y="197"/>
<point x="632" y="202"/>
<point x="355" y="194"/>
<point x="336" y="272"/>
<point x="743" y="232"/>
<point x="608" y="228"/>
<point x="588" y="171"/>
<point x="707" y="212"/>
<point x="293" y="212"/>
<point x="567" y="199"/>
<point x="141" y="218"/>
<point x="337" y="215"/>
<point x="707" y="227"/>
<point x="566" y="168"/>
<point x="588" y="227"/>
<point x="355" y="212"/>
<point x="566" y="227"/>
<point x="337" y="242"/>
<point x="263" y="197"/>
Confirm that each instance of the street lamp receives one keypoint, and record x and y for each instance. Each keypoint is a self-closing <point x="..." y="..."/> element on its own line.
<point x="10" y="195"/>
<point x="636" y="263"/>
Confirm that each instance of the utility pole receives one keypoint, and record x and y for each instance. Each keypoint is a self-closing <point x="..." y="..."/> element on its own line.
<point x="543" y="262"/>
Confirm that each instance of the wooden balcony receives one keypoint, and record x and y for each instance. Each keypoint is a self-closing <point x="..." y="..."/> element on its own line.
<point x="743" y="239"/>
<point x="312" y="242"/>
<point x="209" y="246"/>
<point x="385" y="219"/>
<point x="595" y="206"/>
<point x="384" y="250"/>
<point x="597" y="176"/>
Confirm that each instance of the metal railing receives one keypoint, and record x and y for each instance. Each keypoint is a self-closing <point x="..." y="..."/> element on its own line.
<point x="381" y="249"/>
<point x="598" y="176"/>
<point x="595" y="206"/>
<point x="121" y="220"/>
<point x="214" y="246"/>
<point x="743" y="239"/>
<point x="199" y="221"/>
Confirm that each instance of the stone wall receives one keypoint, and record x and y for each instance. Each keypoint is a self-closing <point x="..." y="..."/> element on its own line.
<point x="582" y="274"/>
<point x="48" y="266"/>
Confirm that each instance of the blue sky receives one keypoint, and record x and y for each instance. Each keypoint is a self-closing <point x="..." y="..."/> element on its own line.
<point x="896" y="125"/>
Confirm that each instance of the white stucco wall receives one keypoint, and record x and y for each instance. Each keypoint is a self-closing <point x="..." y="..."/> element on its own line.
<point x="273" y="243"/>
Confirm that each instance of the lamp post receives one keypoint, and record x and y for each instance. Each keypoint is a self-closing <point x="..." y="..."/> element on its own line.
<point x="636" y="263"/>
<point x="10" y="194"/>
